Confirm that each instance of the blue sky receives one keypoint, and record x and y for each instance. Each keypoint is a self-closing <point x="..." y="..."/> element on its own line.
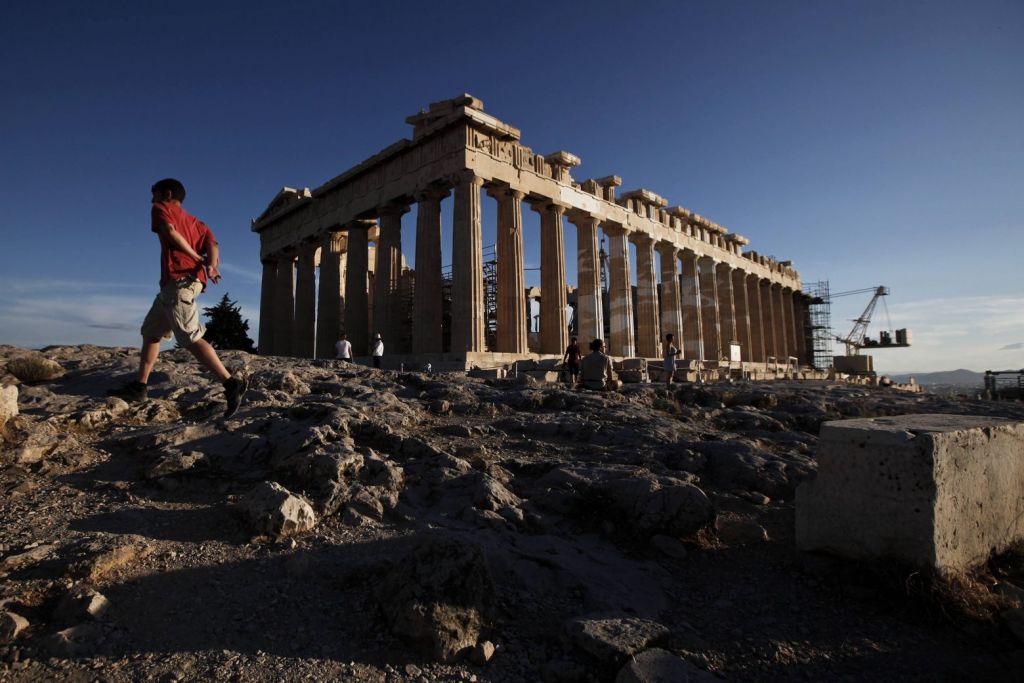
<point x="868" y="142"/>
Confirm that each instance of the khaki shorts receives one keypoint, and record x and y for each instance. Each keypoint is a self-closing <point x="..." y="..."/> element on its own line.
<point x="174" y="311"/>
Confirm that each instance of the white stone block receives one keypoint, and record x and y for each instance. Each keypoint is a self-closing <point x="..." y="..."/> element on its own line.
<point x="8" y="403"/>
<point x="943" y="491"/>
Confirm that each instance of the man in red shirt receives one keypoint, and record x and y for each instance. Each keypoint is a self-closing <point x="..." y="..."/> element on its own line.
<point x="188" y="252"/>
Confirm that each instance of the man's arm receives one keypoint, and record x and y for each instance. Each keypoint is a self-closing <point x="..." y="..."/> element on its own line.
<point x="213" y="259"/>
<point x="167" y="231"/>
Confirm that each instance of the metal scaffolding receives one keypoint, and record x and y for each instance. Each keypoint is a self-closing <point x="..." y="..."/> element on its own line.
<point x="819" y="329"/>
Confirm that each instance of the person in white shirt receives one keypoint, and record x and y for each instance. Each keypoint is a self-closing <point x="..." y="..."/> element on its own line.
<point x="377" y="350"/>
<point x="343" y="349"/>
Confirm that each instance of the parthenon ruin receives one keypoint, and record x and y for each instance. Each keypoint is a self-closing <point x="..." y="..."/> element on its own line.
<point x="724" y="303"/>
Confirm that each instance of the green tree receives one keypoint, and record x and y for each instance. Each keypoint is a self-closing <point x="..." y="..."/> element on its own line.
<point x="225" y="328"/>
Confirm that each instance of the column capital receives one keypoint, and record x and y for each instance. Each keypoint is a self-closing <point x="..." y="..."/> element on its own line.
<point x="614" y="229"/>
<point x="542" y="204"/>
<point x="580" y="217"/>
<point x="641" y="239"/>
<point x="393" y="209"/>
<point x="465" y="176"/>
<point x="667" y="249"/>
<point x="501" y="191"/>
<point x="431" y="193"/>
<point x="361" y="224"/>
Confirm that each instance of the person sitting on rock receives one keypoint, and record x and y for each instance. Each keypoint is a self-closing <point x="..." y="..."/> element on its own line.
<point x="188" y="255"/>
<point x="596" y="369"/>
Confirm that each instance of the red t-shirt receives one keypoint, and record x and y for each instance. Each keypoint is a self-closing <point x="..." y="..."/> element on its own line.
<point x="175" y="264"/>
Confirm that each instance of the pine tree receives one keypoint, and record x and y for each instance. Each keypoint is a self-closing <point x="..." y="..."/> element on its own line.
<point x="225" y="328"/>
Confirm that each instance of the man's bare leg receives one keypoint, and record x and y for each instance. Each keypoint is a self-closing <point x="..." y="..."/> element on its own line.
<point x="147" y="358"/>
<point x="208" y="357"/>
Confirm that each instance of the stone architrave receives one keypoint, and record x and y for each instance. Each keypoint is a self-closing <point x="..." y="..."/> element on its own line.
<point x="267" y="304"/>
<point x="693" y="338"/>
<point x="648" y="323"/>
<point x="331" y="301"/>
<point x="357" y="301"/>
<point x="554" y="327"/>
<point x="387" y="275"/>
<point x="304" y="338"/>
<point x="511" y="331"/>
<point x="284" y="306"/>
<point x="742" y="310"/>
<point x="467" y="266"/>
<point x="671" y="310"/>
<point x="771" y="349"/>
<point x="426" y="306"/>
<point x="726" y="308"/>
<point x="709" y="308"/>
<point x="589" y="308"/>
<point x="621" y="340"/>
<point x="779" y="323"/>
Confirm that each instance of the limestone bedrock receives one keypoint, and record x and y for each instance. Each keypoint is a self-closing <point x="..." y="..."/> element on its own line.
<point x="941" y="491"/>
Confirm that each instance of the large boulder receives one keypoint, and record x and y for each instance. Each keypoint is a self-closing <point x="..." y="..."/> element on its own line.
<point x="30" y="369"/>
<point x="8" y="403"/>
<point x="661" y="666"/>
<point x="437" y="596"/>
<point x="273" y="510"/>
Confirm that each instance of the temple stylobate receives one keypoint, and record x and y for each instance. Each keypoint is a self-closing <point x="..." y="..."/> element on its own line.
<point x="690" y="277"/>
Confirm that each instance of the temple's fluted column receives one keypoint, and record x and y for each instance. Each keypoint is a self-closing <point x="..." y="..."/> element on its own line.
<point x="331" y="300"/>
<point x="693" y="339"/>
<point x="671" y="310"/>
<point x="757" y="332"/>
<point x="426" y="295"/>
<point x="284" y="306"/>
<point x="742" y="310"/>
<point x="387" y="275"/>
<point x="771" y="349"/>
<point x="789" y="318"/>
<point x="620" y="292"/>
<point x="779" y="323"/>
<point x="268" y="286"/>
<point x="709" y="308"/>
<point x="589" y="310"/>
<point x="800" y="322"/>
<point x="304" y="338"/>
<point x="554" y="328"/>
<point x="726" y="308"/>
<point x="648" y="327"/>
<point x="467" y="266"/>
<point x="357" y="300"/>
<point x="511" y="336"/>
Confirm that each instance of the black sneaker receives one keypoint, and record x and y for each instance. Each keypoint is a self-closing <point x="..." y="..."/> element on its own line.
<point x="132" y="392"/>
<point x="234" y="392"/>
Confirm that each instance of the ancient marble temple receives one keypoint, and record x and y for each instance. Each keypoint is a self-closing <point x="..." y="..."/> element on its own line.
<point x="692" y="277"/>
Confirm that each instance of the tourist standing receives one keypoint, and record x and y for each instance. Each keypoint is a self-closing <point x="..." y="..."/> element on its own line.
<point x="188" y="256"/>
<point x="343" y="349"/>
<point x="669" y="353"/>
<point x="571" y="360"/>
<point x="377" y="350"/>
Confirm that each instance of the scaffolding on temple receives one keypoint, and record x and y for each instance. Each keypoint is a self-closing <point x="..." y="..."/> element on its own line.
<point x="819" y="330"/>
<point x="490" y="299"/>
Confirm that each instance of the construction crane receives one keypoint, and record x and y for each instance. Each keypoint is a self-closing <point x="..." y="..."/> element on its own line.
<point x="857" y="338"/>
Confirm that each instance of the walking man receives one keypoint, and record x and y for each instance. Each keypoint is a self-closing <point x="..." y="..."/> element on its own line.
<point x="188" y="253"/>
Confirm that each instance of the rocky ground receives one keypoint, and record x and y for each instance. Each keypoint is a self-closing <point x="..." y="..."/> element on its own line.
<point x="355" y="524"/>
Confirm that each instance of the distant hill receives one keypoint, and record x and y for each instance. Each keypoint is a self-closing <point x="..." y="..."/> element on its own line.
<point x="948" y="378"/>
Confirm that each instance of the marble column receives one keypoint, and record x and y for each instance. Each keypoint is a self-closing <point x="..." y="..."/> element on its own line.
<point x="554" y="327"/>
<point x="426" y="295"/>
<point x="789" y="311"/>
<point x="741" y="312"/>
<point x="779" y="323"/>
<point x="648" y="327"/>
<point x="511" y="334"/>
<point x="671" y="310"/>
<point x="331" y="300"/>
<point x="387" y="276"/>
<point x="620" y="293"/>
<point x="709" y="308"/>
<point x="693" y="339"/>
<point x="304" y="339"/>
<point x="726" y="308"/>
<point x="757" y="336"/>
<point x="800" y="320"/>
<point x="268" y="286"/>
<point x="771" y="349"/>
<point x="284" y="306"/>
<point x="589" y="310"/>
<point x="467" y="266"/>
<point x="357" y="300"/>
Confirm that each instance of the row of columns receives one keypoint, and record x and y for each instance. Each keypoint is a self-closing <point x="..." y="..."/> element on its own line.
<point x="705" y="303"/>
